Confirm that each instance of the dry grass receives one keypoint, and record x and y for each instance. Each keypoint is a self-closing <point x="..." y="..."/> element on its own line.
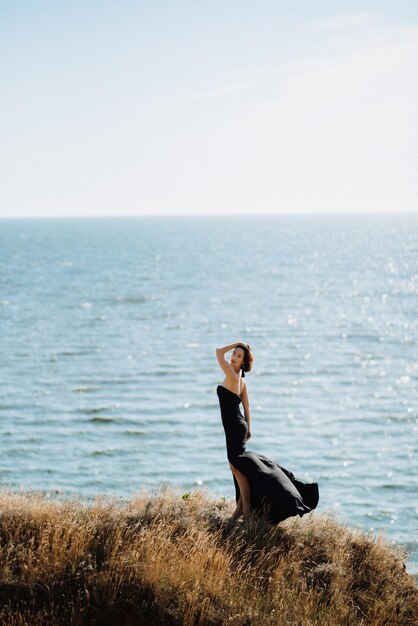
<point x="168" y="559"/>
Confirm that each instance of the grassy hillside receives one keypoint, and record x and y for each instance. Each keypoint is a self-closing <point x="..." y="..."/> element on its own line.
<point x="172" y="559"/>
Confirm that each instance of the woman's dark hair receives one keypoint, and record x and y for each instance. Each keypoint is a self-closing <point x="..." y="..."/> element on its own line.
<point x="248" y="359"/>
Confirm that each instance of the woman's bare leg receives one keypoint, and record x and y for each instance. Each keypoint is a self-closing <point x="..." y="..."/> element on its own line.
<point x="243" y="505"/>
<point x="238" y="511"/>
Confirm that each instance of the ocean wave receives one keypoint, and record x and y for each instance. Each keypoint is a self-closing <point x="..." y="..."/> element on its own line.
<point x="139" y="299"/>
<point x="107" y="420"/>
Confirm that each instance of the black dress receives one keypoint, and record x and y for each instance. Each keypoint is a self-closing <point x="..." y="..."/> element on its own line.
<point x="274" y="490"/>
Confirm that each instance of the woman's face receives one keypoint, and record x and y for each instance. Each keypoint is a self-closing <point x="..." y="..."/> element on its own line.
<point x="237" y="358"/>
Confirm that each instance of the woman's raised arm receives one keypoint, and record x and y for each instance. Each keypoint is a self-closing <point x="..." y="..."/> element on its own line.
<point x="231" y="346"/>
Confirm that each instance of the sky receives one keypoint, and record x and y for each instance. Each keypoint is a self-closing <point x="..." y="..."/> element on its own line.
<point x="190" y="107"/>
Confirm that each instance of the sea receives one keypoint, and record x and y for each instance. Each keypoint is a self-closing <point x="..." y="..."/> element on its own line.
<point x="108" y="374"/>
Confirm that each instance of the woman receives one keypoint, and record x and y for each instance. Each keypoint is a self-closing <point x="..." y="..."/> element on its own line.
<point x="260" y="484"/>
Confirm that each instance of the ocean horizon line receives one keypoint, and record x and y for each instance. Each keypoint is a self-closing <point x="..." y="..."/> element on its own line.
<point x="212" y="215"/>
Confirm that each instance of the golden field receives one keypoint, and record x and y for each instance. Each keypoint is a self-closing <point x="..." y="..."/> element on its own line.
<point x="171" y="559"/>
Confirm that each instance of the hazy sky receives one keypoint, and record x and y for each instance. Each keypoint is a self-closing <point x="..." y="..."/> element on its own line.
<point x="144" y="107"/>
